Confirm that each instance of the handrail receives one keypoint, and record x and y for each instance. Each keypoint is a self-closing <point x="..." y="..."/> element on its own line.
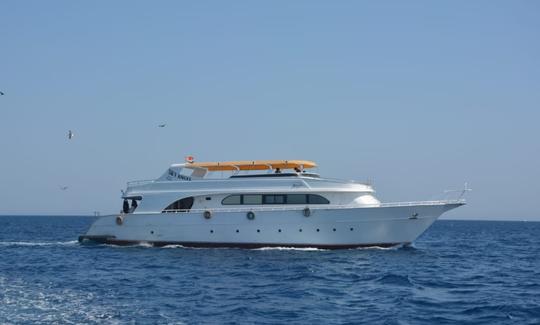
<point x="313" y="207"/>
<point x="433" y="202"/>
<point x="141" y="182"/>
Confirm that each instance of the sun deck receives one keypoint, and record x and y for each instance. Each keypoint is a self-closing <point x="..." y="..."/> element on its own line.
<point x="252" y="165"/>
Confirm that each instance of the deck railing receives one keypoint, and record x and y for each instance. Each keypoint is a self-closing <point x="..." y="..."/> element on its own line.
<point x="141" y="182"/>
<point x="149" y="181"/>
<point x="318" y="207"/>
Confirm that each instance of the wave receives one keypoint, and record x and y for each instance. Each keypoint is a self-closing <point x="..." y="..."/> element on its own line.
<point x="395" y="279"/>
<point x="29" y="243"/>
<point x="305" y="249"/>
<point x="129" y="246"/>
<point x="279" y="248"/>
<point x="26" y="302"/>
<point x="393" y="248"/>
<point x="173" y="246"/>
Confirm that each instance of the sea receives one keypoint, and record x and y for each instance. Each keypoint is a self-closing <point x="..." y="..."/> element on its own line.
<point x="458" y="272"/>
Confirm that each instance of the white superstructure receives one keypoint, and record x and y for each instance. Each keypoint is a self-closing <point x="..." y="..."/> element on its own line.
<point x="187" y="206"/>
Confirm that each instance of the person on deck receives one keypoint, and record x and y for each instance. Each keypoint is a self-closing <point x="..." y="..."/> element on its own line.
<point x="125" y="206"/>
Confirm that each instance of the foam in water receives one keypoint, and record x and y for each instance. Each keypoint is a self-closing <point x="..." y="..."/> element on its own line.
<point x="173" y="246"/>
<point x="29" y="243"/>
<point x="302" y="249"/>
<point x="23" y="302"/>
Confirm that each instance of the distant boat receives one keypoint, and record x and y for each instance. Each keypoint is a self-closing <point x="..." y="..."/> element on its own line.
<point x="286" y="206"/>
<point x="162" y="125"/>
<point x="70" y="134"/>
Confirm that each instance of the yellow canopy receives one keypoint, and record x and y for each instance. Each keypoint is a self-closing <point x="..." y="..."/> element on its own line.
<point x="253" y="165"/>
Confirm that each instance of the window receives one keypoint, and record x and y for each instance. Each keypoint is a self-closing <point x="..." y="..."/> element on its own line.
<point x="252" y="199"/>
<point x="183" y="204"/>
<point x="274" y="199"/>
<point x="296" y="199"/>
<point x="258" y="199"/>
<point x="317" y="199"/>
<point x="232" y="199"/>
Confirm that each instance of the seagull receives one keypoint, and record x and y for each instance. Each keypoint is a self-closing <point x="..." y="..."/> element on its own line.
<point x="63" y="188"/>
<point x="162" y="125"/>
<point x="70" y="134"/>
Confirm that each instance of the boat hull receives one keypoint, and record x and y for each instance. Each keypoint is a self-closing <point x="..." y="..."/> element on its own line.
<point x="328" y="228"/>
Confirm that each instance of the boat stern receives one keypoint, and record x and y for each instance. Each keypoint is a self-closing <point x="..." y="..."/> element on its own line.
<point x="101" y="231"/>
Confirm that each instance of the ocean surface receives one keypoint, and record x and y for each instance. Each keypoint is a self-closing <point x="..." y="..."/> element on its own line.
<point x="458" y="272"/>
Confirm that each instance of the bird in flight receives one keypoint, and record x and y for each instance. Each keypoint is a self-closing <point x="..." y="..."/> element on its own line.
<point x="63" y="188"/>
<point x="70" y="134"/>
<point x="162" y="125"/>
<point x="1" y="93"/>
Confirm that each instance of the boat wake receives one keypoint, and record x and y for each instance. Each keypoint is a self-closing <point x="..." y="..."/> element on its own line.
<point x="392" y="248"/>
<point x="302" y="249"/>
<point x="26" y="302"/>
<point x="174" y="246"/>
<point x="28" y="243"/>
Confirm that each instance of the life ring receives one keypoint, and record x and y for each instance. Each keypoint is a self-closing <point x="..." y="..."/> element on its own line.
<point x="207" y="214"/>
<point x="250" y="215"/>
<point x="306" y="212"/>
<point x="119" y="220"/>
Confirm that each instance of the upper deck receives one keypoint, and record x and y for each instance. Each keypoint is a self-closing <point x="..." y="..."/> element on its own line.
<point x="202" y="180"/>
<point x="239" y="176"/>
<point x="203" y="170"/>
<point x="253" y="165"/>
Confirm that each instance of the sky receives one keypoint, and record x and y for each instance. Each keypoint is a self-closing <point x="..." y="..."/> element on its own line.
<point x="417" y="96"/>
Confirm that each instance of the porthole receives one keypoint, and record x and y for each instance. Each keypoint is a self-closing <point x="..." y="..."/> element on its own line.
<point x="318" y="230"/>
<point x="250" y="215"/>
<point x="334" y="229"/>
<point x="258" y="230"/>
<point x="352" y="229"/>
<point x="300" y="230"/>
<point x="152" y="232"/>
<point x="211" y="231"/>
<point x="237" y="230"/>
<point x="279" y="230"/>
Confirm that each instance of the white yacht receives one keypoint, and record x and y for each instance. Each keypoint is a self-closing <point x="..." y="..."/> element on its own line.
<point x="270" y="203"/>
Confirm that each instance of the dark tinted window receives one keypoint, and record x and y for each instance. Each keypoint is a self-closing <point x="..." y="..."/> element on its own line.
<point x="232" y="199"/>
<point x="258" y="199"/>
<point x="252" y="199"/>
<point x="274" y="199"/>
<point x="182" y="204"/>
<point x="317" y="199"/>
<point x="296" y="199"/>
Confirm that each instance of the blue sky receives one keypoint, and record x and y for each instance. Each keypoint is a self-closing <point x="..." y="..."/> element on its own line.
<point x="418" y="96"/>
